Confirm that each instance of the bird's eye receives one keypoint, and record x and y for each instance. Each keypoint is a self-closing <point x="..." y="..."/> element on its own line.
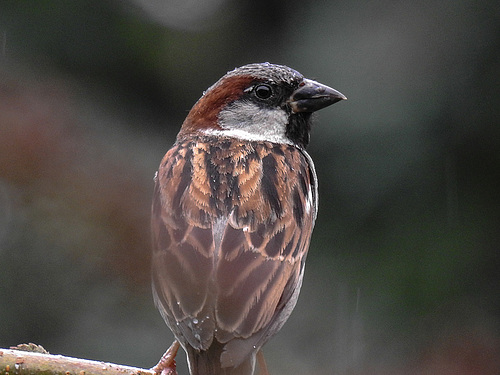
<point x="263" y="91"/>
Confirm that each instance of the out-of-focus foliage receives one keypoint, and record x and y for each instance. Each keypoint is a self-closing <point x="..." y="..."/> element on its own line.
<point x="403" y="272"/>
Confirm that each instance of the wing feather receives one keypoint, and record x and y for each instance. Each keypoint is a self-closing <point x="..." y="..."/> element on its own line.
<point x="231" y="224"/>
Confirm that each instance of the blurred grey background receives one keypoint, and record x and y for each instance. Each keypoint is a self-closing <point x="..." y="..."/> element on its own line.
<point x="403" y="270"/>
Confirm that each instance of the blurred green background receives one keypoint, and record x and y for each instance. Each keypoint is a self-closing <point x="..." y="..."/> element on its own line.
<point x="403" y="270"/>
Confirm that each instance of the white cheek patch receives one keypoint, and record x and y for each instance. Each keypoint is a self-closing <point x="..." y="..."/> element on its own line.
<point x="246" y="120"/>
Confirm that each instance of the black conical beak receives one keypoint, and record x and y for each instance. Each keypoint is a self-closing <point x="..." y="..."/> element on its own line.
<point x="312" y="96"/>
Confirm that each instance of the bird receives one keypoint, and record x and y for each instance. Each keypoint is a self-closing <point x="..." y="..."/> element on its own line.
<point x="234" y="205"/>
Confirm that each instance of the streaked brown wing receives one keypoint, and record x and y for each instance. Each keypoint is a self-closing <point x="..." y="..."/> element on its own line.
<point x="183" y="247"/>
<point x="231" y="223"/>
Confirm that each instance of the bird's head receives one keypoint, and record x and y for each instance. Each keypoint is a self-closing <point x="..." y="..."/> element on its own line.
<point x="260" y="102"/>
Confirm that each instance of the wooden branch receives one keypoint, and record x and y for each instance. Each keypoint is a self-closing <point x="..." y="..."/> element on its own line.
<point x="19" y="362"/>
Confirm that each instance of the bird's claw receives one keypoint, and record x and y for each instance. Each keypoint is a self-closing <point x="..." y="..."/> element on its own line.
<point x="166" y="365"/>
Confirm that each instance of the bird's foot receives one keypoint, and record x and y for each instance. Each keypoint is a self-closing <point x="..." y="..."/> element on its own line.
<point x="166" y="365"/>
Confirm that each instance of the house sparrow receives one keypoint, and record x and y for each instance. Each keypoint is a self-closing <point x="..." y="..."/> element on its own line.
<point x="234" y="207"/>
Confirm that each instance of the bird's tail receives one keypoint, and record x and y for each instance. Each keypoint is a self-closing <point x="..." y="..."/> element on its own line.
<point x="208" y="362"/>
